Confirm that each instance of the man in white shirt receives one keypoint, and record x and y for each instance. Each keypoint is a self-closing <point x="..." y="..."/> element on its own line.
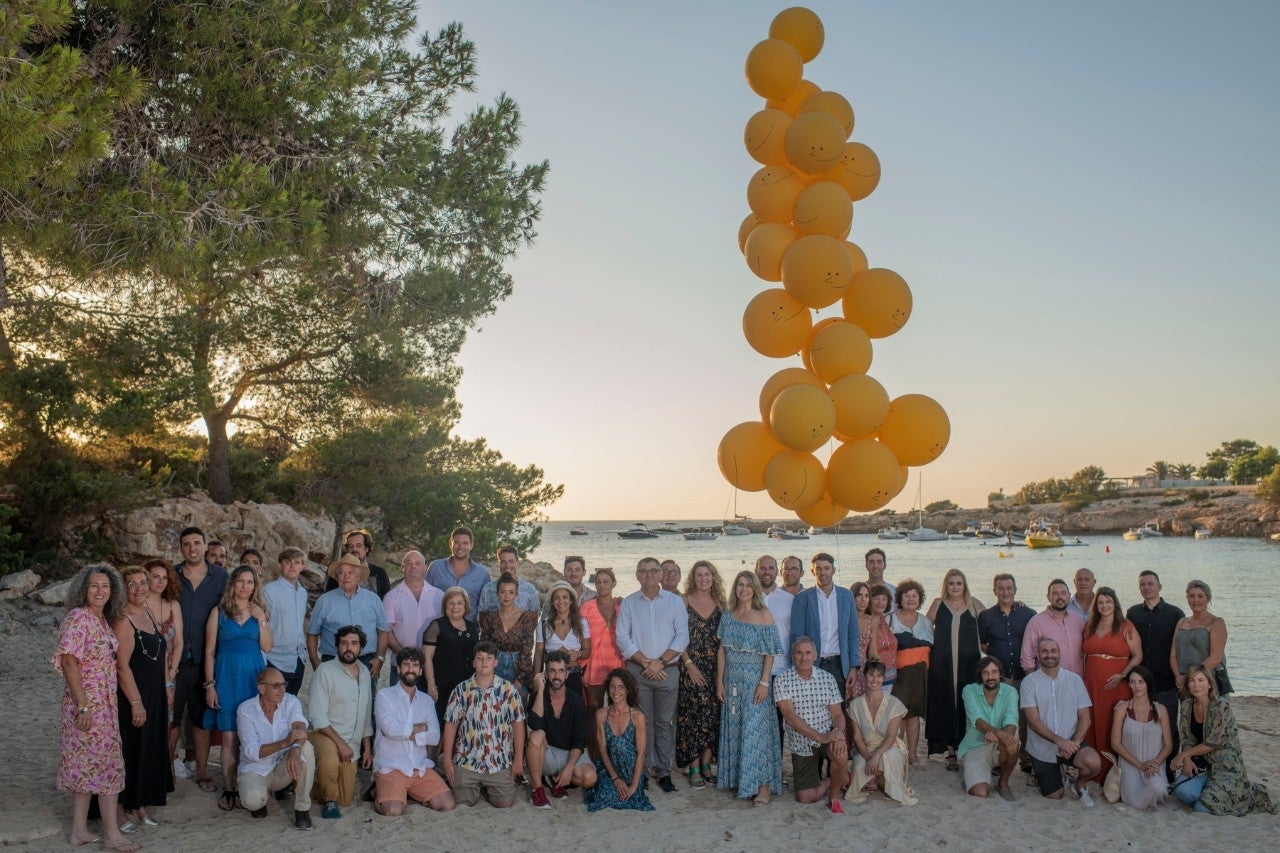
<point x="779" y="601"/>
<point x="409" y="607"/>
<point x="286" y="601"/>
<point x="342" y="712"/>
<point x="1059" y="713"/>
<point x="274" y="750"/>
<point x="407" y="725"/>
<point x="653" y="631"/>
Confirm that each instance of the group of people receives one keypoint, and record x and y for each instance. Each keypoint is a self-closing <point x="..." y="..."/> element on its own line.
<point x="488" y="687"/>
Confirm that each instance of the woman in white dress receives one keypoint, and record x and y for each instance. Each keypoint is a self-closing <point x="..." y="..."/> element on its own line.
<point x="880" y="753"/>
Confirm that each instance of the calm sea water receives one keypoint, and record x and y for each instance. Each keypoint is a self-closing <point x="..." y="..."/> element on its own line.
<point x="1240" y="571"/>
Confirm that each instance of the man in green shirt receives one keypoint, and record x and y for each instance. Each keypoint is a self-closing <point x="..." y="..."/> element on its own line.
<point x="991" y="707"/>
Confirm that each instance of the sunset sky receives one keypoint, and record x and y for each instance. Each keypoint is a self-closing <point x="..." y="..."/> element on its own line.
<point x="1083" y="198"/>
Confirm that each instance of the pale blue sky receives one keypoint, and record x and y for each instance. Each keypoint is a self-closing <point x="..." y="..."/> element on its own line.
<point x="1082" y="196"/>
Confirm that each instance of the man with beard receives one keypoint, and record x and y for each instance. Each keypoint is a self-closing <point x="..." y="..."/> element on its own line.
<point x="557" y="743"/>
<point x="991" y="707"/>
<point x="825" y="612"/>
<point x="1059" y="713"/>
<point x="792" y="571"/>
<point x="526" y="593"/>
<point x="876" y="562"/>
<point x="1059" y="623"/>
<point x="458" y="569"/>
<point x="341" y="712"/>
<point x="407" y="725"/>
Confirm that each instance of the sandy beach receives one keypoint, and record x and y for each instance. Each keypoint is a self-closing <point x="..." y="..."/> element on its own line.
<point x="37" y="817"/>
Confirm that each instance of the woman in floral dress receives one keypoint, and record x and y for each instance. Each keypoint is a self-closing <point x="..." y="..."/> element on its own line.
<point x="698" y="709"/>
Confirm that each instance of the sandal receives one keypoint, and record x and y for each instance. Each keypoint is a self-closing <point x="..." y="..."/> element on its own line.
<point x="125" y="846"/>
<point x="228" y="800"/>
<point x="696" y="779"/>
<point x="952" y="764"/>
<point x="206" y="785"/>
<point x="709" y="773"/>
<point x="758" y="800"/>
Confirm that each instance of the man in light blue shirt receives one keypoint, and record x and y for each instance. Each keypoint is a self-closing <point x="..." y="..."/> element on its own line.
<point x="287" y="604"/>
<point x="349" y="604"/>
<point x="991" y="708"/>
<point x="458" y="569"/>
<point x="526" y="593"/>
<point x="653" y="631"/>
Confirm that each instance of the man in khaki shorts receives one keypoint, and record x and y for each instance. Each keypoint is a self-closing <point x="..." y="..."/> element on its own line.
<point x="809" y="699"/>
<point x="991" y="739"/>
<point x="407" y="725"/>
<point x="483" y="748"/>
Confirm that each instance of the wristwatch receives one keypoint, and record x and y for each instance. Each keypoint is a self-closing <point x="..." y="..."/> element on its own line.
<point x="83" y="709"/>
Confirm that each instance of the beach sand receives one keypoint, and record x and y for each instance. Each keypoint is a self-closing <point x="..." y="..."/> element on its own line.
<point x="35" y="816"/>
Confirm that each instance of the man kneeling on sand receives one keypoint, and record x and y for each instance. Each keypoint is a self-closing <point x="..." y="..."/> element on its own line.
<point x="557" y="745"/>
<point x="1059" y="713"/>
<point x="407" y="725"/>
<point x="991" y="739"/>
<point x="483" y="749"/>
<point x="274" y="750"/>
<point x="810" y="700"/>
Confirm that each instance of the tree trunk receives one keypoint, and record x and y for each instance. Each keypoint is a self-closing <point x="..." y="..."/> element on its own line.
<point x="219" y="458"/>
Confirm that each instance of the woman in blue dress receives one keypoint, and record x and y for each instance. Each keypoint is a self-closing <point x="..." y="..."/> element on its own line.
<point x="237" y="635"/>
<point x="750" y="754"/>
<point x="620" y="780"/>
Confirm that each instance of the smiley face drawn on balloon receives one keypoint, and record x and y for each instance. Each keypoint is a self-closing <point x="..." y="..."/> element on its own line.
<point x="772" y="192"/>
<point x="815" y="142"/>
<point x="816" y="269"/>
<point x="795" y="479"/>
<point x="858" y="171"/>
<point x="775" y="324"/>
<point x="823" y="208"/>
<point x="765" y="135"/>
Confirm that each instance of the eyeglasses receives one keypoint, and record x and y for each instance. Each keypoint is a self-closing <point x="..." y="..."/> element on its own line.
<point x="274" y="685"/>
<point x="138" y="584"/>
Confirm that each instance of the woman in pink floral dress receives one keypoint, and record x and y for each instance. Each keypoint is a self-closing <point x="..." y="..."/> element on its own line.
<point x="89" y="760"/>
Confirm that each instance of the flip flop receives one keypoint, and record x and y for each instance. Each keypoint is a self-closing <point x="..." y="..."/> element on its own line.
<point x="125" y="846"/>
<point x="206" y="785"/>
<point x="94" y="840"/>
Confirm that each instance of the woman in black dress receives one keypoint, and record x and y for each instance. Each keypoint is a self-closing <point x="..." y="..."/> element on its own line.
<point x="447" y="644"/>
<point x="952" y="663"/>
<point x="144" y="704"/>
<point x="698" y="709"/>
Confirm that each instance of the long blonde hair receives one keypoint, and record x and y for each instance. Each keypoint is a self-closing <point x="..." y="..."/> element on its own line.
<point x="717" y="584"/>
<point x="227" y="603"/>
<point x="757" y="591"/>
<point x="968" y="596"/>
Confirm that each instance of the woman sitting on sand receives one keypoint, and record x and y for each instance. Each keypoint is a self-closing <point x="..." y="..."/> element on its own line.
<point x="1141" y="739"/>
<point x="880" y="753"/>
<point x="620" y="726"/>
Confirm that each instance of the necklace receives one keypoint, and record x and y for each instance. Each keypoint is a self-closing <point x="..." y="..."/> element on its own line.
<point x="138" y="635"/>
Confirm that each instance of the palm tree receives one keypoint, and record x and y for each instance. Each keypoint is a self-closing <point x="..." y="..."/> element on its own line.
<point x="1184" y="471"/>
<point x="1159" y="469"/>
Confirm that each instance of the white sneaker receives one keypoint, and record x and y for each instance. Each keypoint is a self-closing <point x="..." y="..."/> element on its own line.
<point x="180" y="769"/>
<point x="1085" y="799"/>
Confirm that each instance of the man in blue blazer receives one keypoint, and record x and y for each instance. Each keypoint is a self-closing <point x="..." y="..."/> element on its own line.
<point x="825" y="614"/>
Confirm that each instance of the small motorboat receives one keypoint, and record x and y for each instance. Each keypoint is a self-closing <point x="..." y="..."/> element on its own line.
<point x="925" y="534"/>
<point x="891" y="533"/>
<point x="990" y="530"/>
<point x="1042" y="533"/>
<point x="779" y="532"/>
<point x="668" y="529"/>
<point x="639" y="530"/>
<point x="735" y="530"/>
<point x="579" y="531"/>
<point x="1204" y="533"/>
<point x="1133" y="534"/>
<point x="1150" y="530"/>
<point x="702" y="534"/>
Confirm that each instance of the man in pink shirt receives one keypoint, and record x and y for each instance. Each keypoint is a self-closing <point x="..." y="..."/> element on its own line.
<point x="1058" y="623"/>
<point x="409" y="607"/>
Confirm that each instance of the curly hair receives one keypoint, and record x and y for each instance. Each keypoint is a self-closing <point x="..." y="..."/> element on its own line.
<point x="905" y="587"/>
<point x="78" y="592"/>
<point x="628" y="681"/>
<point x="717" y="583"/>
<point x="172" y="589"/>
<point x="549" y="615"/>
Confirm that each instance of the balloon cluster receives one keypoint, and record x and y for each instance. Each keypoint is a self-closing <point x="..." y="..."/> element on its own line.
<point x="801" y="202"/>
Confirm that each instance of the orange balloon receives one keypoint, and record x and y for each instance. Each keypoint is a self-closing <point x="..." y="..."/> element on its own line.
<point x="822" y="208"/>
<point x="856" y="254"/>
<point x="744" y="230"/>
<point x="802" y="417"/>
<point x="815" y="142"/>
<point x="765" y="137"/>
<point x="903" y="473"/>
<point x="816" y="270"/>
<point x="862" y="404"/>
<point x="785" y="378"/>
<point x="862" y="474"/>
<point x="825" y="513"/>
<point x="774" y="68"/>
<point x="744" y="452"/>
<point x="776" y="325"/>
<point x="772" y="193"/>
<point x="879" y="301"/>
<point x="834" y="103"/>
<point x="839" y="350"/>
<point x="858" y="171"/>
<point x="795" y="99"/>
<point x="801" y="28"/>
<point x="916" y="429"/>
<point x="795" y="480"/>
<point x="804" y="351"/>
<point x="765" y="247"/>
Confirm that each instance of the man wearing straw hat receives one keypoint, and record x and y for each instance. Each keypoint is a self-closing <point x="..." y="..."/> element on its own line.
<point x="349" y="604"/>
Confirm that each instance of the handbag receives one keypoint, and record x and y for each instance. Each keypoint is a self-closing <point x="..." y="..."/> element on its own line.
<point x="1223" y="680"/>
<point x="1111" y="787"/>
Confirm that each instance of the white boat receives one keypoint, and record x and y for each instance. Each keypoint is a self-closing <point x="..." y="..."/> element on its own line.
<point x="780" y="532"/>
<point x="960" y="537"/>
<point x="670" y="529"/>
<point x="818" y="531"/>
<point x="990" y="530"/>
<point x="1150" y="529"/>
<point x="702" y="534"/>
<point x="578" y="531"/>
<point x="1204" y="533"/>
<point x="735" y="530"/>
<point x="639" y="530"/>
<point x="891" y="533"/>
<point x="1133" y="534"/>
<point x="922" y="533"/>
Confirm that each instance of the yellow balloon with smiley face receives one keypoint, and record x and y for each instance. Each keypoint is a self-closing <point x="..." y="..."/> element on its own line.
<point x="839" y="350"/>
<point x="775" y="324"/>
<point x="749" y="223"/>
<point x="744" y="452"/>
<point x="800" y="27"/>
<point x="858" y="171"/>
<point x="785" y="378"/>
<point x="795" y="99"/>
<point x="862" y="405"/>
<point x="814" y="142"/>
<point x="916" y="429"/>
<point x="825" y="513"/>
<point x="765" y="137"/>
<point x="765" y="248"/>
<point x="802" y="417"/>
<point x="823" y="208"/>
<point x="772" y="193"/>
<point x="795" y="480"/>
<point x="833" y="103"/>
<point x="862" y="474"/>
<point x="774" y="68"/>
<point x="879" y="301"/>
<point x="817" y="269"/>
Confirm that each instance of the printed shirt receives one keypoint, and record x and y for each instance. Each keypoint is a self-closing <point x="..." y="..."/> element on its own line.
<point x="486" y="721"/>
<point x="811" y="698"/>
